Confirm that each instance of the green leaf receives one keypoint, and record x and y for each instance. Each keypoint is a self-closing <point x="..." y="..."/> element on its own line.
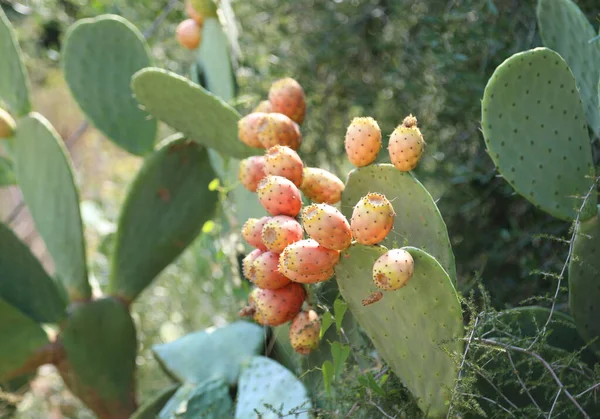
<point x="190" y="109"/>
<point x="21" y="339"/>
<point x="339" y="309"/>
<point x="214" y="60"/>
<point x="369" y="382"/>
<point x="340" y="353"/>
<point x="45" y="177"/>
<point x="14" y="83"/>
<point x="100" y="56"/>
<point x="328" y="373"/>
<point x="165" y="209"/>
<point x="7" y="174"/>
<point x="326" y="322"/>
<point x="151" y="408"/>
<point x="207" y="400"/>
<point x="24" y="283"/>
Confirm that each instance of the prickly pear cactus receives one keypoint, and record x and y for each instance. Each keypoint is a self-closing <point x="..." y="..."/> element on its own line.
<point x="205" y="8"/>
<point x="535" y="131"/>
<point x="14" y="83"/>
<point x="207" y="400"/>
<point x="409" y="327"/>
<point x="214" y="60"/>
<point x="100" y="56"/>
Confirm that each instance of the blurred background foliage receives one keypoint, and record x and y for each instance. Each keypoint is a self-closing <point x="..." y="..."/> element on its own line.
<point x="381" y="58"/>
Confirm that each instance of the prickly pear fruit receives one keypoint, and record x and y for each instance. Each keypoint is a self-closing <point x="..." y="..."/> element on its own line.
<point x="321" y="186"/>
<point x="280" y="231"/>
<point x="278" y="129"/>
<point x="252" y="232"/>
<point x="264" y="272"/>
<point x="7" y="124"/>
<point x="279" y="196"/>
<point x="264" y="106"/>
<point x="306" y="278"/>
<point x="406" y="145"/>
<point x="287" y="97"/>
<point x="304" y="332"/>
<point x="248" y="129"/>
<point x="247" y="269"/>
<point x="393" y="269"/>
<point x="275" y="307"/>
<point x="372" y="219"/>
<point x="308" y="257"/>
<point x="283" y="161"/>
<point x="363" y="141"/>
<point x="189" y="34"/>
<point x="327" y="225"/>
<point x="193" y="14"/>
<point x="252" y="171"/>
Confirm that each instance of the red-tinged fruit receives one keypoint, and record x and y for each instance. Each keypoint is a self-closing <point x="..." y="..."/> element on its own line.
<point x="193" y="14"/>
<point x="278" y="129"/>
<point x="327" y="225"/>
<point x="287" y="97"/>
<point x="321" y="186"/>
<point x="304" y="332"/>
<point x="308" y="257"/>
<point x="280" y="231"/>
<point x="275" y="307"/>
<point x="283" y="161"/>
<point x="7" y="124"/>
<point x="406" y="145"/>
<point x="372" y="219"/>
<point x="393" y="269"/>
<point x="247" y="269"/>
<point x="306" y="278"/>
<point x="363" y="141"/>
<point x="252" y="171"/>
<point x="189" y="34"/>
<point x="279" y="196"/>
<point x="264" y="272"/>
<point x="264" y="106"/>
<point x="248" y="129"/>
<point x="252" y="232"/>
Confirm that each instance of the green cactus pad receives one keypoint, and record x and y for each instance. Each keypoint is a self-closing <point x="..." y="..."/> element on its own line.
<point x="205" y="8"/>
<point x="164" y="211"/>
<point x="151" y="408"/>
<point x="24" y="283"/>
<point x="192" y="110"/>
<point x="584" y="281"/>
<point x="410" y="326"/>
<point x="418" y="221"/>
<point x="223" y="350"/>
<point x="214" y="60"/>
<point x="100" y="56"/>
<point x="7" y="173"/>
<point x="14" y="83"/>
<point x="265" y="382"/>
<point x="535" y="131"/>
<point x="45" y="176"/>
<point x="100" y="343"/>
<point x="22" y="337"/>
<point x="565" y="29"/>
<point x="208" y="400"/>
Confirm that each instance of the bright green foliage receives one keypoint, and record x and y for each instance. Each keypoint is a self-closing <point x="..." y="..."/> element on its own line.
<point x="7" y="174"/>
<point x="164" y="211"/>
<point x="418" y="221"/>
<point x="566" y="30"/>
<point x="208" y="400"/>
<point x="14" y="83"/>
<point x="190" y="109"/>
<point x="100" y="56"/>
<point x="22" y="337"/>
<point x="535" y="131"/>
<point x="46" y="180"/>
<point x="152" y="407"/>
<point x="206" y="8"/>
<point x="211" y="354"/>
<point x="265" y="382"/>
<point x="214" y="60"/>
<point x="409" y="327"/>
<point x="24" y="283"/>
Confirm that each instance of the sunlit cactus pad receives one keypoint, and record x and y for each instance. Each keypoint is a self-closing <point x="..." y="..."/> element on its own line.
<point x="411" y="327"/>
<point x="536" y="133"/>
<point x="14" y="84"/>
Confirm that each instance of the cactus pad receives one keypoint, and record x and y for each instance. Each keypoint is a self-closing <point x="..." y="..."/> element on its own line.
<point x="192" y="110"/>
<point x="208" y="400"/>
<point x="418" y="221"/>
<point x="24" y="283"/>
<point x="14" y="83"/>
<point x="164" y="211"/>
<point x="151" y="408"/>
<point x="214" y="60"/>
<point x="205" y="8"/>
<point x="7" y="174"/>
<point x="223" y="351"/>
<point x="100" y="56"/>
<point x="535" y="131"/>
<point x="265" y="382"/>
<point x="411" y="326"/>
<point x="45" y="177"/>
<point x="565" y="29"/>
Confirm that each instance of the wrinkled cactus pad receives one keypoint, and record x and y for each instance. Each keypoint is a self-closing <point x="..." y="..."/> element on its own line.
<point x="14" y="83"/>
<point x="535" y="131"/>
<point x="409" y="327"/>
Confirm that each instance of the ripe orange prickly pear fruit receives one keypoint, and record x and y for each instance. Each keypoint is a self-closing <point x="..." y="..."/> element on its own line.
<point x="393" y="269"/>
<point x="287" y="97"/>
<point x="406" y="145"/>
<point x="189" y="34"/>
<point x="193" y="14"/>
<point x="363" y="141"/>
<point x="372" y="219"/>
<point x="279" y="196"/>
<point x="321" y="186"/>
<point x="278" y="129"/>
<point x="265" y="274"/>
<point x="280" y="231"/>
<point x="252" y="232"/>
<point x="306" y="278"/>
<point x="264" y="106"/>
<point x="248" y="261"/>
<point x="252" y="171"/>
<point x="308" y="257"/>
<point x="275" y="307"/>
<point x="304" y="332"/>
<point x="7" y="124"/>
<point x="283" y="161"/>
<point x="248" y="129"/>
<point x="327" y="225"/>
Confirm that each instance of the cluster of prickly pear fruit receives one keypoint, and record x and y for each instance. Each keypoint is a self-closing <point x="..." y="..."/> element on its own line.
<point x="189" y="31"/>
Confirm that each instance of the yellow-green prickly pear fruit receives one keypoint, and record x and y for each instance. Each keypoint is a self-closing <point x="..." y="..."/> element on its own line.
<point x="406" y="145"/>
